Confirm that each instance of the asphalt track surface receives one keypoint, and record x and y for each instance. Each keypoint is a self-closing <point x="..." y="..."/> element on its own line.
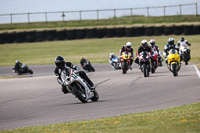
<point x="38" y="99"/>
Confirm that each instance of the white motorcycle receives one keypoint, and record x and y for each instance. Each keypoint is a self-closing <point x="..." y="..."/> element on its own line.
<point x="78" y="87"/>
<point x="183" y="51"/>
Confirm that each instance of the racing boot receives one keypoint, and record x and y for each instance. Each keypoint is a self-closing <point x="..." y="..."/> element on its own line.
<point x="64" y="89"/>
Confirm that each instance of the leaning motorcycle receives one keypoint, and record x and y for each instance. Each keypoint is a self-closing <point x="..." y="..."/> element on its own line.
<point x="78" y="87"/>
<point x="184" y="53"/>
<point x="22" y="69"/>
<point x="174" y="61"/>
<point x="125" y="61"/>
<point x="115" y="62"/>
<point x="144" y="62"/>
<point x="88" y="66"/>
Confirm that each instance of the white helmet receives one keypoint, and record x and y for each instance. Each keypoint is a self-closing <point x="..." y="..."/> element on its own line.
<point x="128" y="45"/>
<point x="144" y="43"/>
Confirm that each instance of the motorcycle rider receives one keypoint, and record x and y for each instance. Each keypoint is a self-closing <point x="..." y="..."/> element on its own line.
<point x="62" y="65"/>
<point x="128" y="48"/>
<point x="17" y="65"/>
<point x="143" y="47"/>
<point x="169" y="46"/>
<point x="182" y="41"/>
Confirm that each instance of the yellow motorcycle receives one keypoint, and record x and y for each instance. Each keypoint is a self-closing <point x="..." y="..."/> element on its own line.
<point x="174" y="62"/>
<point x="125" y="61"/>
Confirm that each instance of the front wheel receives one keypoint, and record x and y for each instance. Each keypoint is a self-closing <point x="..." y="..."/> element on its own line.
<point x="146" y="70"/>
<point x="80" y="93"/>
<point x="124" y="67"/>
<point x="175" y="70"/>
<point x="96" y="96"/>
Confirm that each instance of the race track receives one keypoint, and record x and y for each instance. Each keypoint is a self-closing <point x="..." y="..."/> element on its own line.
<point x="38" y="99"/>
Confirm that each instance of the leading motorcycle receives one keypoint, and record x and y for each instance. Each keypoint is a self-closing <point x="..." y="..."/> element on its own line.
<point x="144" y="62"/>
<point x="174" y="62"/>
<point x="78" y="87"/>
<point x="125" y="61"/>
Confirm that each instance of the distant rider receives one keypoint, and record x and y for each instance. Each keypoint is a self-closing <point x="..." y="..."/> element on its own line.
<point x="127" y="48"/>
<point x="143" y="47"/>
<point x="153" y="46"/>
<point x="62" y="65"/>
<point x="169" y="46"/>
<point x="183" y="42"/>
<point x="17" y="65"/>
<point x="82" y="62"/>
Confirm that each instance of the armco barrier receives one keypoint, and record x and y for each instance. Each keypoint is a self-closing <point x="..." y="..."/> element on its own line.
<point x="80" y="33"/>
<point x="139" y="31"/>
<point x="149" y="31"/>
<point x="158" y="30"/>
<point x="91" y="33"/>
<point x="120" y="32"/>
<point x="188" y="29"/>
<point x="61" y="34"/>
<point x="2" y="38"/>
<point x="178" y="30"/>
<point x="168" y="30"/>
<point x="101" y="32"/>
<point x="51" y="35"/>
<point x="196" y="29"/>
<point x="31" y="36"/>
<point x="41" y="36"/>
<point x="71" y="34"/>
<point x="110" y="32"/>
<point x="129" y="31"/>
<point x="20" y="37"/>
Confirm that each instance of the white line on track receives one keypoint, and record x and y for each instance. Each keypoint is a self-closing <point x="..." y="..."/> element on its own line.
<point x="197" y="70"/>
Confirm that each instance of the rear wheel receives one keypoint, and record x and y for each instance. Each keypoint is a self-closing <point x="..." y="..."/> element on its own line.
<point x="80" y="93"/>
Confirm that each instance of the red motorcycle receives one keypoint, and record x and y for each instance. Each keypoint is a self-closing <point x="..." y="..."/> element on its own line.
<point x="154" y="62"/>
<point x="144" y="62"/>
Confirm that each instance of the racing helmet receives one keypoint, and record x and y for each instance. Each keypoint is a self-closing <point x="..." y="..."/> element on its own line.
<point x="171" y="41"/>
<point x="128" y="45"/>
<point x="182" y="39"/>
<point x="152" y="42"/>
<point x="60" y="62"/>
<point x="144" y="43"/>
<point x="111" y="55"/>
<point x="17" y="61"/>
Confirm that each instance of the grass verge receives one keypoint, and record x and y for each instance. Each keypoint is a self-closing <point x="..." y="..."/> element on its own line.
<point x="176" y="119"/>
<point x="96" y="50"/>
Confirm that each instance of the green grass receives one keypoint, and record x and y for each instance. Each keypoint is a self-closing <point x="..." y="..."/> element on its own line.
<point x="96" y="50"/>
<point x="176" y="119"/>
<point x="125" y="21"/>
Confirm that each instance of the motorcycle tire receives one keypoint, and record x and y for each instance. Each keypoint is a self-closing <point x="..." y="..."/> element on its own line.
<point x="30" y="71"/>
<point x="96" y="96"/>
<point x="78" y="94"/>
<point x="175" y="71"/>
<point x="153" y="67"/>
<point x="185" y="59"/>
<point x="146" y="71"/>
<point x="124" y="66"/>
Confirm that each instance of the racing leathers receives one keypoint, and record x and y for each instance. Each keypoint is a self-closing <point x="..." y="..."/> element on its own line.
<point x="141" y="49"/>
<point x="67" y="67"/>
<point x="125" y="49"/>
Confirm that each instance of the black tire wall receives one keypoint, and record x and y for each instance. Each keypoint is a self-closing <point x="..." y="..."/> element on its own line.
<point x="178" y="30"/>
<point x="20" y="37"/>
<point x="196" y="29"/>
<point x="139" y="31"/>
<point x="31" y="36"/>
<point x="41" y="36"/>
<point x="80" y="33"/>
<point x="2" y="38"/>
<point x="51" y="35"/>
<point x="129" y="31"/>
<point x="149" y="31"/>
<point x="159" y="30"/>
<point x="71" y="34"/>
<point x="91" y="33"/>
<point x="110" y="32"/>
<point x="188" y="29"/>
<point x="120" y="32"/>
<point x="168" y="30"/>
<point x="101" y="32"/>
<point x="61" y="34"/>
<point x="10" y="37"/>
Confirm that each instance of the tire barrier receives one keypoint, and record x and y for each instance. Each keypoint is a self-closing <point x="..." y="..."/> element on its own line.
<point x="178" y="30"/>
<point x="51" y="35"/>
<point x="80" y="33"/>
<point x="158" y="30"/>
<point x="2" y="38"/>
<point x="188" y="29"/>
<point x="110" y="32"/>
<point x="31" y="36"/>
<point x="120" y="32"/>
<point x="61" y="34"/>
<point x="71" y="34"/>
<point x="91" y="33"/>
<point x="41" y="36"/>
<point x="149" y="31"/>
<point x="139" y="31"/>
<point x="196" y="29"/>
<point x="168" y="30"/>
<point x="101" y="32"/>
<point x="20" y="37"/>
<point x="129" y="31"/>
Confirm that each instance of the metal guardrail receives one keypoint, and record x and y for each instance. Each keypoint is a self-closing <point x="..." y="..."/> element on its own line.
<point x="63" y="14"/>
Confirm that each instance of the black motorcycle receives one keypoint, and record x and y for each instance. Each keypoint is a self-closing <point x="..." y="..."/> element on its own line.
<point x="22" y="69"/>
<point x="87" y="66"/>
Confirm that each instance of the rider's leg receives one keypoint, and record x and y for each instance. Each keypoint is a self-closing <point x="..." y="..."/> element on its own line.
<point x="84" y="76"/>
